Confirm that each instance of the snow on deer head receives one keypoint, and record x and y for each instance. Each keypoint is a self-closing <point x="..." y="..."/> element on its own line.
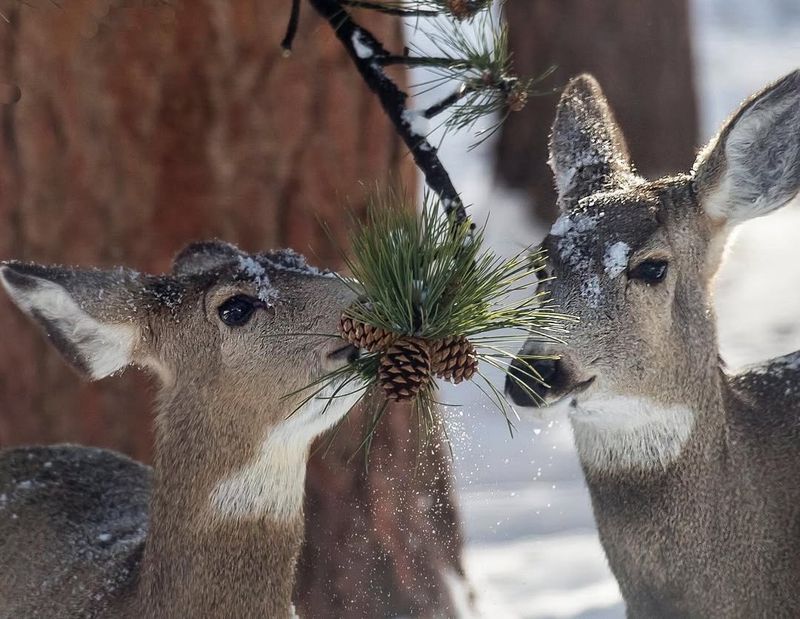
<point x="232" y="337"/>
<point x="634" y="259"/>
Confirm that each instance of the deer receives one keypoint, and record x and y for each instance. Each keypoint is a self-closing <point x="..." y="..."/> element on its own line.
<point x="214" y="528"/>
<point x="693" y="469"/>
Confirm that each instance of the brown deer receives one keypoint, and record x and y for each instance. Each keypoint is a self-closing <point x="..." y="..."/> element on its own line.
<point x="213" y="530"/>
<point x="694" y="473"/>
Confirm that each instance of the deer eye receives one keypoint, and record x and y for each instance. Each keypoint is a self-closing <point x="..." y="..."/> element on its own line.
<point x="237" y="310"/>
<point x="649" y="271"/>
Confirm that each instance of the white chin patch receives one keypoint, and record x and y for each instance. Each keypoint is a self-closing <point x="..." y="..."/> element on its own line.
<point x="614" y="432"/>
<point x="550" y="412"/>
<point x="273" y="483"/>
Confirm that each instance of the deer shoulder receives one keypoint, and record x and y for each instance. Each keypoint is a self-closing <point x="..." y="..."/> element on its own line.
<point x="78" y="514"/>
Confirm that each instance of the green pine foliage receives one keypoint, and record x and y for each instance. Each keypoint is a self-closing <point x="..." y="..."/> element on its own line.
<point x="428" y="277"/>
<point x="480" y="64"/>
<point x="423" y="276"/>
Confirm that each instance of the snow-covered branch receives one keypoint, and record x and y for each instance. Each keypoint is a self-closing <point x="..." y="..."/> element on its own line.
<point x="368" y="55"/>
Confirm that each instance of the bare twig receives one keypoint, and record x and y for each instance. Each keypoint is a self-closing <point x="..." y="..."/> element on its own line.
<point x="291" y="28"/>
<point x="448" y="101"/>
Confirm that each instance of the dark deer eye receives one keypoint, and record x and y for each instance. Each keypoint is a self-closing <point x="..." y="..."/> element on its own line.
<point x="237" y="310"/>
<point x="649" y="271"/>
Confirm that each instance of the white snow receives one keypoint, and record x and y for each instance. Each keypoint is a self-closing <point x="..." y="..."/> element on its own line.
<point x="792" y="362"/>
<point x="615" y="259"/>
<point x="290" y="261"/>
<point x="574" y="247"/>
<point x="416" y="122"/>
<point x="591" y="291"/>
<point x="532" y="550"/>
<point x="258" y="274"/>
<point x="104" y="537"/>
<point x="361" y="48"/>
<point x="562" y="225"/>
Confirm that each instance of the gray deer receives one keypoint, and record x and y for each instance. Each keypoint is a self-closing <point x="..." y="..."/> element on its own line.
<point x="214" y="529"/>
<point x="694" y="473"/>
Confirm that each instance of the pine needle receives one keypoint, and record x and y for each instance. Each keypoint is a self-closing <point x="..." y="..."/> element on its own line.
<point x="425" y="276"/>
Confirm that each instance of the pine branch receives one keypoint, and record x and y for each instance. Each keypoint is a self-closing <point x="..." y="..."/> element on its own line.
<point x="366" y="52"/>
<point x="427" y="61"/>
<point x="448" y="102"/>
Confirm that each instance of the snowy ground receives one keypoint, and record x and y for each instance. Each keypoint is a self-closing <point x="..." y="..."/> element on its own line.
<point x="532" y="548"/>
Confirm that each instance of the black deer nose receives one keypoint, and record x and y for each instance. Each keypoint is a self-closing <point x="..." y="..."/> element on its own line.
<point x="522" y="385"/>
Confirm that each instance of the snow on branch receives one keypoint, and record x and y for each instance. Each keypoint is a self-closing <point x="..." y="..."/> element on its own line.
<point x="369" y="55"/>
<point x="479" y="66"/>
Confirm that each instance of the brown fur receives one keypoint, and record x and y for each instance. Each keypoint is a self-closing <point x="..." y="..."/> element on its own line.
<point x="717" y="532"/>
<point x="694" y="474"/>
<point x="85" y="532"/>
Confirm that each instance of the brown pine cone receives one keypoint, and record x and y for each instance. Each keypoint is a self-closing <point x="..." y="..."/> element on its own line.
<point x="405" y="369"/>
<point x="363" y="335"/>
<point x="517" y="98"/>
<point x="463" y="9"/>
<point x="454" y="359"/>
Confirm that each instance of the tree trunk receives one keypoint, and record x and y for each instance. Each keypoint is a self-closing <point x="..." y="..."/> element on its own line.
<point x="641" y="54"/>
<point x="142" y="126"/>
<point x="394" y="537"/>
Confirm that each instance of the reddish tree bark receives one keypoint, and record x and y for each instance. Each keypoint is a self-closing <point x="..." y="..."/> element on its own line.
<point x="141" y="126"/>
<point x="641" y="54"/>
<point x="395" y="536"/>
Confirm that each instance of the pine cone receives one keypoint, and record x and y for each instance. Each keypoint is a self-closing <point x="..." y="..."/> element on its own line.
<point x="363" y="335"/>
<point x="517" y="98"/>
<point x="463" y="9"/>
<point x="405" y="369"/>
<point x="454" y="359"/>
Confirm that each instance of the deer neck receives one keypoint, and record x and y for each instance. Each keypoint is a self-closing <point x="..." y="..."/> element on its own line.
<point x="204" y="557"/>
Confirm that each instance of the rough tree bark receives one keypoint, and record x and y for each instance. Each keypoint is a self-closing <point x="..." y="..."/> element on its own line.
<point x="641" y="54"/>
<point x="141" y="126"/>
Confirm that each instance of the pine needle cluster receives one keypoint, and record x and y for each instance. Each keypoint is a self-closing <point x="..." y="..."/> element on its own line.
<point x="479" y="61"/>
<point x="427" y="277"/>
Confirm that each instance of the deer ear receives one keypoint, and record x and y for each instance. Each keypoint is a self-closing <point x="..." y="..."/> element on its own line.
<point x="752" y="167"/>
<point x="58" y="300"/>
<point x="587" y="150"/>
<point x="203" y="256"/>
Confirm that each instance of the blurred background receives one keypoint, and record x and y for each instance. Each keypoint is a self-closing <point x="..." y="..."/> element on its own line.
<point x="128" y="129"/>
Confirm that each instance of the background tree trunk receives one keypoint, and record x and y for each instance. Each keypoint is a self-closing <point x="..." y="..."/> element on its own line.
<point x="141" y="126"/>
<point x="643" y="61"/>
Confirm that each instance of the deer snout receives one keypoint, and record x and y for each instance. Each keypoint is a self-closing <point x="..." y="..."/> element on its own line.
<point x="529" y="381"/>
<point x="541" y="376"/>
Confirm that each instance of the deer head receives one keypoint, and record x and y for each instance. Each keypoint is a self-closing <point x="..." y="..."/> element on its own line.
<point x="232" y="338"/>
<point x="634" y="261"/>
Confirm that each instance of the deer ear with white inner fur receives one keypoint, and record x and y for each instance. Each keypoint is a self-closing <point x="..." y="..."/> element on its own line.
<point x="62" y="302"/>
<point x="752" y="167"/>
